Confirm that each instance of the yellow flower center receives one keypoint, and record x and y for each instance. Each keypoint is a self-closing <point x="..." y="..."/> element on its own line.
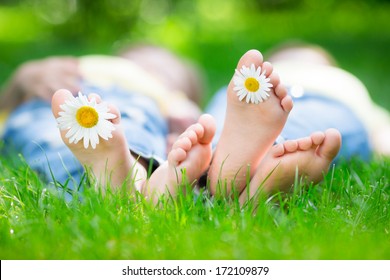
<point x="87" y="116"/>
<point x="252" y="84"/>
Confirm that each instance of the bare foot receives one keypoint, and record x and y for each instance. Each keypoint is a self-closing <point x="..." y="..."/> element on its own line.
<point x="249" y="130"/>
<point x="191" y="153"/>
<point x="111" y="162"/>
<point x="310" y="157"/>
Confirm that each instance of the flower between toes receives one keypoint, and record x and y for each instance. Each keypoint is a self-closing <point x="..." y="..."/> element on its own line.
<point x="85" y="119"/>
<point x="251" y="84"/>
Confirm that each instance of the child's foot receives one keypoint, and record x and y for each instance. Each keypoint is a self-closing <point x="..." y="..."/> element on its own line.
<point x="111" y="162"/>
<point x="190" y="153"/>
<point x="249" y="129"/>
<point x="310" y="157"/>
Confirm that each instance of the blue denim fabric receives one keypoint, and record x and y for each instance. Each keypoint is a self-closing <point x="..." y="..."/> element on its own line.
<point x="311" y="113"/>
<point x="32" y="131"/>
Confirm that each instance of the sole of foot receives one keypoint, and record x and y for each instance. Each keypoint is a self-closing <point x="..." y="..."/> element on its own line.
<point x="308" y="157"/>
<point x="249" y="130"/>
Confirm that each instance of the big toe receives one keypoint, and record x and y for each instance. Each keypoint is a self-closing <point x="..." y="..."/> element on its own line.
<point x="251" y="56"/>
<point x="331" y="145"/>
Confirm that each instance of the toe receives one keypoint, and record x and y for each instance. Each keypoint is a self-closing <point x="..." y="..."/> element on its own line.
<point x="199" y="131"/>
<point x="251" y="56"/>
<point x="317" y="137"/>
<point x="176" y="156"/>
<point x="191" y="134"/>
<point x="277" y="150"/>
<point x="267" y="66"/>
<point x="114" y="110"/>
<point x="274" y="79"/>
<point x="280" y="91"/>
<point x="331" y="144"/>
<point x="287" y="103"/>
<point x="183" y="143"/>
<point x="95" y="96"/>
<point x="305" y="143"/>
<point x="209" y="127"/>
<point x="58" y="99"/>
<point x="290" y="146"/>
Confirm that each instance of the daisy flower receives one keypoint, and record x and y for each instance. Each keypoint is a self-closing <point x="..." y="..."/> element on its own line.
<point x="252" y="84"/>
<point x="85" y="120"/>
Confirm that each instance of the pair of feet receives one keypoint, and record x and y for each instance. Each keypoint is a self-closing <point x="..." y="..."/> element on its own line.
<point x="245" y="150"/>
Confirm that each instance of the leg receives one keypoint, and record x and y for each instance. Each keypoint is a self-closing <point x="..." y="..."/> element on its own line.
<point x="310" y="157"/>
<point x="249" y="130"/>
<point x="32" y="132"/>
<point x="191" y="152"/>
<point x="111" y="162"/>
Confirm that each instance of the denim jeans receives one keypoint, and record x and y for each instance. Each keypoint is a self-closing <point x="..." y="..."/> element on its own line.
<point x="311" y="112"/>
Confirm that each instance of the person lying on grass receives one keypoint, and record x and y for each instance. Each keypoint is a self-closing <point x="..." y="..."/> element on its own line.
<point x="259" y="117"/>
<point x="254" y="138"/>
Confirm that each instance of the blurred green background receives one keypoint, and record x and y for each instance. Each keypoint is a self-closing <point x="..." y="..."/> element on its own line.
<point x="212" y="32"/>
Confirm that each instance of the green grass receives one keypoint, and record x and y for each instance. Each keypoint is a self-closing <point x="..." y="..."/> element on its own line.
<point x="344" y="217"/>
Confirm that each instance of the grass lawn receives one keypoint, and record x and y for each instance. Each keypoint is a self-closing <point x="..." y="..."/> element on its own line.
<point x="344" y="217"/>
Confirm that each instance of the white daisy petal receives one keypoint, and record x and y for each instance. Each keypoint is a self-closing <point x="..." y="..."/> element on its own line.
<point x="253" y="98"/>
<point x="72" y="131"/>
<point x="77" y="136"/>
<point x="92" y="122"/>
<point x="252" y="68"/>
<point x="94" y="138"/>
<point x="86" y="138"/>
<point x="245" y="71"/>
<point x="105" y="135"/>
<point x="238" y="74"/>
<point x="256" y="97"/>
<point x="258" y="70"/>
<point x="109" y="116"/>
